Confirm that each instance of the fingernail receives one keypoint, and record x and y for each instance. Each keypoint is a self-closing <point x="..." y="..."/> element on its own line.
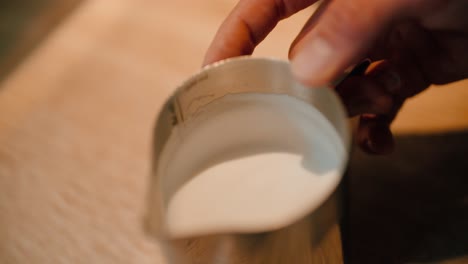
<point x="380" y="138"/>
<point x="311" y="64"/>
<point x="366" y="117"/>
<point x="361" y="68"/>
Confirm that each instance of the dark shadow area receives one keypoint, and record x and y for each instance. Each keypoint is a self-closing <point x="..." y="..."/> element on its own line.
<point x="411" y="206"/>
<point x="24" y="23"/>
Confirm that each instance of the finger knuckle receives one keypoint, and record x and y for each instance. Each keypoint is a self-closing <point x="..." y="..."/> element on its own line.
<point x="383" y="104"/>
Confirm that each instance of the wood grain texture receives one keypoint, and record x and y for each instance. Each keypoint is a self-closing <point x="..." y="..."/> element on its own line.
<point x="76" y="123"/>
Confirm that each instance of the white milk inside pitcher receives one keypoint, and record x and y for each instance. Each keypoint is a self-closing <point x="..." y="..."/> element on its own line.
<point x="249" y="163"/>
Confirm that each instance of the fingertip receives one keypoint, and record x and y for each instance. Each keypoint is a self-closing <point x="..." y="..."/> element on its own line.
<point x="206" y="61"/>
<point x="381" y="142"/>
<point x="361" y="94"/>
<point x="376" y="137"/>
<point x="345" y="32"/>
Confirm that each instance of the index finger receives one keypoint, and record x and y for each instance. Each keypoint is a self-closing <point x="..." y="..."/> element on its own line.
<point x="248" y="24"/>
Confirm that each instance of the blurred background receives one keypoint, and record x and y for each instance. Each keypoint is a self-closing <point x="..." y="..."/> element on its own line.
<point x="80" y="86"/>
<point x="24" y="23"/>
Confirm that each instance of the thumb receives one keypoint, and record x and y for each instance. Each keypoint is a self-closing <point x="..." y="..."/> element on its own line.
<point x="343" y="33"/>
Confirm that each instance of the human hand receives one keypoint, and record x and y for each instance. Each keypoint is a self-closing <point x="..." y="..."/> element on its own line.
<point x="417" y="43"/>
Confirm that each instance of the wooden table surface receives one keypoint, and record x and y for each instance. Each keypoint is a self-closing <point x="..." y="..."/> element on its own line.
<point x="75" y="136"/>
<point x="23" y="24"/>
